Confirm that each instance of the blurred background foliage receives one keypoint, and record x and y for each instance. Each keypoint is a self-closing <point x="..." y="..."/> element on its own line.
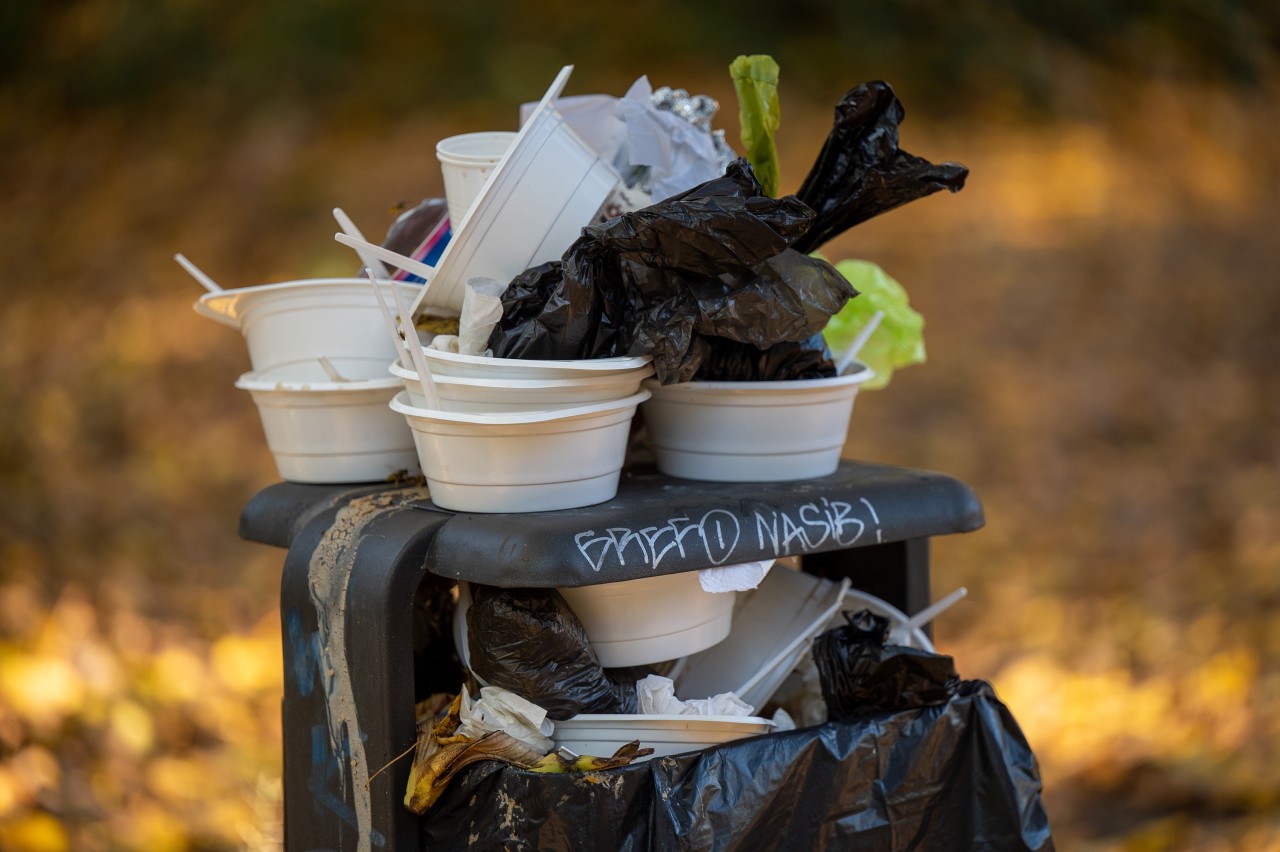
<point x="1101" y="309"/>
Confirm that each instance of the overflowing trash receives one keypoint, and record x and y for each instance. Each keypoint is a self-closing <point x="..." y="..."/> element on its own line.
<point x="615" y="255"/>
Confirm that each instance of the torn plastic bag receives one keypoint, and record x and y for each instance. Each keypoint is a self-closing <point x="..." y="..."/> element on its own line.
<point x="421" y="233"/>
<point x="860" y="674"/>
<point x="958" y="775"/>
<point x="710" y="263"/>
<point x="530" y="642"/>
<point x="861" y="172"/>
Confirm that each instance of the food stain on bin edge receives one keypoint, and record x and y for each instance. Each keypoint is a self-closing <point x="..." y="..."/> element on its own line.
<point x="329" y="574"/>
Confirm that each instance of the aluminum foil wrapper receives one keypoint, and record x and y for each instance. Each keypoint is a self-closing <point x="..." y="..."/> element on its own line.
<point x="698" y="110"/>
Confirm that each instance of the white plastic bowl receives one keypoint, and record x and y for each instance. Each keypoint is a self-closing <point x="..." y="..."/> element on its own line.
<point x="751" y="431"/>
<point x="772" y="628"/>
<point x="297" y="321"/>
<point x="534" y="204"/>
<point x="465" y="393"/>
<point x="532" y="461"/>
<point x="331" y="432"/>
<point x="637" y="622"/>
<point x="602" y="734"/>
<point x="443" y="363"/>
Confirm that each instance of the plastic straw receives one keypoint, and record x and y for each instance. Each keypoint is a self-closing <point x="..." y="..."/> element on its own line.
<point x="858" y="342"/>
<point x="387" y="318"/>
<point x="415" y="350"/>
<point x="396" y="259"/>
<point x="929" y="613"/>
<point x="370" y="262"/>
<point x="197" y="273"/>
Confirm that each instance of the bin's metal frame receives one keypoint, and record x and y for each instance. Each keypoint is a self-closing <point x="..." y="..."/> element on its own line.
<point x="358" y="556"/>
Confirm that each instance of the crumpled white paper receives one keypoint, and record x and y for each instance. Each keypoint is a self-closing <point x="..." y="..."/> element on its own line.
<point x="734" y="578"/>
<point x="498" y="709"/>
<point x="657" y="696"/>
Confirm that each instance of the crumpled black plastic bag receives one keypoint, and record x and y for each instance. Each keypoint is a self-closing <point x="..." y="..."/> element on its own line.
<point x="743" y="362"/>
<point x="861" y="172"/>
<point x="860" y="674"/>
<point x="958" y="775"/>
<point x="675" y="280"/>
<point x="530" y="642"/>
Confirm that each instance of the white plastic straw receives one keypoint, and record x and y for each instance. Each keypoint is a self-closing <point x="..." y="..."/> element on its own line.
<point x="415" y="350"/>
<point x="858" y="342"/>
<point x="396" y="259"/>
<point x="197" y="273"/>
<point x="929" y="613"/>
<point x="349" y="228"/>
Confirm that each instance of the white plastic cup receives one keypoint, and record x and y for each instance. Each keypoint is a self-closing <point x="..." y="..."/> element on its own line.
<point x="322" y="431"/>
<point x="444" y="363"/>
<point x="751" y="431"/>
<point x="527" y="461"/>
<point x="466" y="161"/>
<point x="638" y="622"/>
<point x="298" y="321"/>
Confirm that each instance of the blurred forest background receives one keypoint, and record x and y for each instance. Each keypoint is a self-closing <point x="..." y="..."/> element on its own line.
<point x="1102" y="320"/>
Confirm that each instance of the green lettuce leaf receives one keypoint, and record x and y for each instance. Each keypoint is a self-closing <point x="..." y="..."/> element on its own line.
<point x="899" y="339"/>
<point x="755" y="79"/>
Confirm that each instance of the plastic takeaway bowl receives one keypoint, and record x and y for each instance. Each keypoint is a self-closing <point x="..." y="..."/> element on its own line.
<point x="466" y="162"/>
<point x="546" y="188"/>
<point x="460" y="393"/>
<point x="443" y="363"/>
<point x="637" y="622"/>
<point x="751" y="431"/>
<point x="298" y="321"/>
<point x="773" y="626"/>
<point x="602" y="734"/>
<point x="532" y="461"/>
<point x="322" y="431"/>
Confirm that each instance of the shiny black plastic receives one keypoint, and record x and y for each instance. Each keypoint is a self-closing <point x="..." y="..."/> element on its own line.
<point x="675" y="281"/>
<point x="530" y="642"/>
<point x="954" y="776"/>
<point x="860" y="674"/>
<point x="861" y="172"/>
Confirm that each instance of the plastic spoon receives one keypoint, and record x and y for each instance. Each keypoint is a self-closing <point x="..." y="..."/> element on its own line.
<point x="332" y="371"/>
<point x="858" y="342"/>
<point x="929" y="613"/>
<point x="396" y="259"/>
<point x="197" y="273"/>
<point x="415" y="350"/>
<point x="386" y="317"/>
<point x="349" y="228"/>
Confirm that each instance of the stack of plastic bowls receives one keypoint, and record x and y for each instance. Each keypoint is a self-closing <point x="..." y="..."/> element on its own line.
<point x="322" y="427"/>
<point x="522" y="436"/>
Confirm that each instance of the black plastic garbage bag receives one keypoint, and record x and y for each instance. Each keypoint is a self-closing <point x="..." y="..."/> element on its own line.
<point x="675" y="279"/>
<point x="730" y="361"/>
<point x="861" y="172"/>
<point x="530" y="642"/>
<point x="860" y="674"/>
<point x="955" y="776"/>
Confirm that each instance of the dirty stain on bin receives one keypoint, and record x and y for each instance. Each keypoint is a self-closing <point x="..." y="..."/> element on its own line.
<point x="329" y="574"/>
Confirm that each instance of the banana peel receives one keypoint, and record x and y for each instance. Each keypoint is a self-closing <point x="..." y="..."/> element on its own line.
<point x="442" y="753"/>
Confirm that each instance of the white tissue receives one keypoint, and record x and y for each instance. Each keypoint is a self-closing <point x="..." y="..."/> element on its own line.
<point x="782" y="721"/>
<point x="481" y="310"/>
<point x="734" y="578"/>
<point x="680" y="155"/>
<point x="499" y="709"/>
<point x="444" y="343"/>
<point x="657" y="696"/>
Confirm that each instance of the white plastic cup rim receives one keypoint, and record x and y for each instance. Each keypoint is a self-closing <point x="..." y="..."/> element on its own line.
<point x="674" y="721"/>
<point x="861" y="374"/>
<point x="255" y="382"/>
<point x="614" y="364"/>
<point x="511" y="384"/>
<point x="224" y="306"/>
<point x="475" y="149"/>
<point x="400" y="404"/>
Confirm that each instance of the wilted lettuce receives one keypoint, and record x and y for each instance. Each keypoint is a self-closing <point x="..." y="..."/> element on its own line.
<point x="755" y="79"/>
<point x="899" y="339"/>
